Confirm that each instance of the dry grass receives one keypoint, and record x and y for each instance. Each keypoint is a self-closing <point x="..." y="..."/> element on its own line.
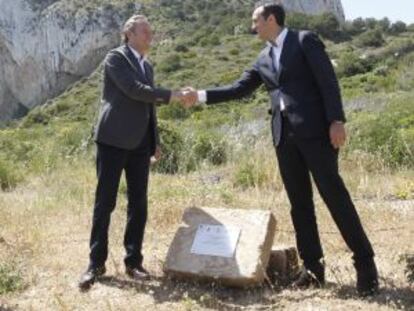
<point x="44" y="231"/>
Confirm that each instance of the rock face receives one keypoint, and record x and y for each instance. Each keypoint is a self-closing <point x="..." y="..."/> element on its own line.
<point x="316" y="7"/>
<point x="46" y="45"/>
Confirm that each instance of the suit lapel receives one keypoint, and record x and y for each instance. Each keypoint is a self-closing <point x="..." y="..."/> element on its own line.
<point x="286" y="54"/>
<point x="133" y="61"/>
<point x="269" y="68"/>
<point x="149" y="73"/>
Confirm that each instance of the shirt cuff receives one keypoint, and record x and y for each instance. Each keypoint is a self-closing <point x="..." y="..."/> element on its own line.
<point x="202" y="96"/>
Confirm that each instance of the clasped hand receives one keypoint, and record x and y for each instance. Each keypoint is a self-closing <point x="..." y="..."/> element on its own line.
<point x="187" y="96"/>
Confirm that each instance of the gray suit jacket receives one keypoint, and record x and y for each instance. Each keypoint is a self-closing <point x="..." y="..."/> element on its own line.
<point x="128" y="101"/>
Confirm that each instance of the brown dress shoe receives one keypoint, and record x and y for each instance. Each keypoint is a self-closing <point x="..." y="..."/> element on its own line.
<point x="307" y="279"/>
<point x="89" y="277"/>
<point x="137" y="273"/>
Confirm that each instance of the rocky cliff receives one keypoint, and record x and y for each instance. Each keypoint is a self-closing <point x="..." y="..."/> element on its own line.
<point x="46" y="45"/>
<point x="316" y="7"/>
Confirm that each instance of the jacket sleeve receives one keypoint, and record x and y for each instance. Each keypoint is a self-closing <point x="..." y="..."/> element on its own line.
<point x="122" y="74"/>
<point x="249" y="81"/>
<point x="324" y="74"/>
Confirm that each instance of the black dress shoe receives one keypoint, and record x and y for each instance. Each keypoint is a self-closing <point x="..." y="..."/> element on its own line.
<point x="137" y="273"/>
<point x="89" y="277"/>
<point x="307" y="278"/>
<point x="367" y="278"/>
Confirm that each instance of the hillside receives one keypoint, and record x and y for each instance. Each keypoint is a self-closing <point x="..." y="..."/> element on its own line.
<point x="47" y="45"/>
<point x="213" y="156"/>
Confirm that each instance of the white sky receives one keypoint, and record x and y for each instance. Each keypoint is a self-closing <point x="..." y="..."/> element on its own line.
<point x="395" y="9"/>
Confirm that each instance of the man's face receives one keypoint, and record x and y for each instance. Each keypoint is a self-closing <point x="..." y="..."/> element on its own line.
<point x="264" y="28"/>
<point x="141" y="37"/>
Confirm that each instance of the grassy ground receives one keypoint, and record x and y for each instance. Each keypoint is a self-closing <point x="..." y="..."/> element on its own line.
<point x="45" y="223"/>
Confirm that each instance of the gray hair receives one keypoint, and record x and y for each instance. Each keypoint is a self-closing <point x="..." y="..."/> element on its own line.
<point x="130" y="25"/>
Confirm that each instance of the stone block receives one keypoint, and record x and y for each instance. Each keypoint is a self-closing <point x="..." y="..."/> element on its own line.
<point x="283" y="264"/>
<point x="247" y="267"/>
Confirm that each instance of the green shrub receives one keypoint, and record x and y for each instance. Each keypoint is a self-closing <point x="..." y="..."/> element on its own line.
<point x="10" y="279"/>
<point x="211" y="147"/>
<point x="234" y="52"/>
<point x="384" y="24"/>
<point x="173" y="112"/>
<point x="172" y="145"/>
<point x="326" y="25"/>
<point x="389" y="133"/>
<point x="356" y="26"/>
<point x="181" y="48"/>
<point x="370" y="38"/>
<point x="37" y="116"/>
<point x="171" y="63"/>
<point x="298" y="20"/>
<point x="10" y="175"/>
<point x="350" y="64"/>
<point x="210" y="40"/>
<point x="249" y="174"/>
<point x="398" y="27"/>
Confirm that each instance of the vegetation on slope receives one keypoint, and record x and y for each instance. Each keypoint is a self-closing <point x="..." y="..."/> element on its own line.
<point x="219" y="155"/>
<point x="200" y="44"/>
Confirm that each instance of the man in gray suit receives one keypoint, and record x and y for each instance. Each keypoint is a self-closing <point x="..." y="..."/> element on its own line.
<point x="126" y="137"/>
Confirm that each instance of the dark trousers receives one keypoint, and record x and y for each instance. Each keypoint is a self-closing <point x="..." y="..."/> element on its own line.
<point x="300" y="158"/>
<point x="110" y="162"/>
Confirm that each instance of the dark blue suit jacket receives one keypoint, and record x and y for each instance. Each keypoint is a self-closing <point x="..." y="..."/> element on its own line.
<point x="306" y="81"/>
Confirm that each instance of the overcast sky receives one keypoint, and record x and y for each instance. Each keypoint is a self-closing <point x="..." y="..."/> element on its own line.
<point x="395" y="9"/>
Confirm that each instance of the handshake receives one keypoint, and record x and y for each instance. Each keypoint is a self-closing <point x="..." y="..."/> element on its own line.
<point x="187" y="97"/>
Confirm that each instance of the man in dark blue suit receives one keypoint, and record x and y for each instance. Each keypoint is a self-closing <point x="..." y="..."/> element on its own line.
<point x="308" y="129"/>
<point x="126" y="136"/>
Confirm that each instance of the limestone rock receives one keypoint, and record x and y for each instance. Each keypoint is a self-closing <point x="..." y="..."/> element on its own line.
<point x="283" y="264"/>
<point x="316" y="7"/>
<point x="248" y="265"/>
<point x="47" y="45"/>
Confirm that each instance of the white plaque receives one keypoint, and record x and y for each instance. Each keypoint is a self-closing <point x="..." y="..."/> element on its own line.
<point x="215" y="240"/>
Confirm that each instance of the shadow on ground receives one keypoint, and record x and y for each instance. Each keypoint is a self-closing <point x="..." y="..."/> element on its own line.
<point x="215" y="296"/>
<point x="390" y="294"/>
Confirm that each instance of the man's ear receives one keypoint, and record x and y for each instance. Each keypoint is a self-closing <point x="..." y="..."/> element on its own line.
<point x="272" y="18"/>
<point x="128" y="33"/>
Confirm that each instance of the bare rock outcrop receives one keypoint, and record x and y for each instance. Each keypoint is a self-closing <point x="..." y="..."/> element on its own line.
<point x="46" y="45"/>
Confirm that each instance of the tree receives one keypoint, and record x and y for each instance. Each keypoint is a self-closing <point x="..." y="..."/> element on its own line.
<point x="384" y="24"/>
<point x="358" y="25"/>
<point x="398" y="27"/>
<point x="298" y="20"/>
<point x="371" y="23"/>
<point x="326" y="25"/>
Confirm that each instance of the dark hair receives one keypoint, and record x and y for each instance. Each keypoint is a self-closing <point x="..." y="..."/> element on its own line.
<point x="277" y="11"/>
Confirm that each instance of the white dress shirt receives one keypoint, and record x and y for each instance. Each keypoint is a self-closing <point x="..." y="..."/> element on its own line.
<point x="141" y="59"/>
<point x="277" y="51"/>
<point x="278" y="46"/>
